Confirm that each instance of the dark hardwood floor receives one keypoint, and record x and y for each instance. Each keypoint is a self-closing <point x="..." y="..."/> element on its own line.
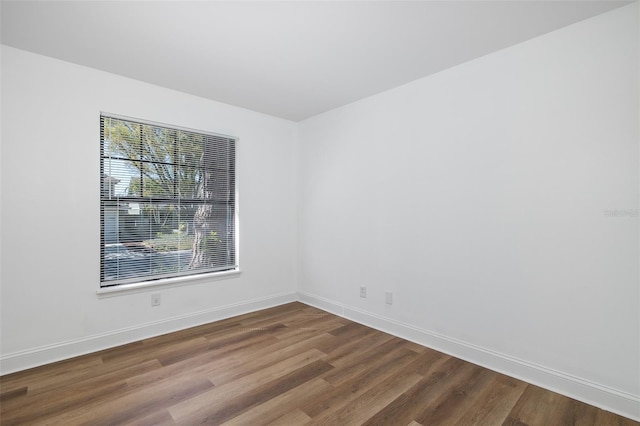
<point x="289" y="365"/>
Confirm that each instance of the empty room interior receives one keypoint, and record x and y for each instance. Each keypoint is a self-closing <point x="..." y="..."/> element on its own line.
<point x="320" y="212"/>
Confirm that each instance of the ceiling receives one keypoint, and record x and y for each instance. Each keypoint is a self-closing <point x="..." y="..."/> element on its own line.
<point x="290" y="59"/>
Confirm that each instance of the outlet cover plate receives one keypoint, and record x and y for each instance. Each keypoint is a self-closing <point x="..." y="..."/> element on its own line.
<point x="155" y="300"/>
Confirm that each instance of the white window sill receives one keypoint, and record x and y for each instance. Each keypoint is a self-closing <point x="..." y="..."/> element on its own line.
<point x="119" y="290"/>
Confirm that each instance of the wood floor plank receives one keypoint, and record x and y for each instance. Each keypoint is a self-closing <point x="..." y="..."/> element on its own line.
<point x="200" y="364"/>
<point x="345" y="349"/>
<point x="182" y="350"/>
<point x="77" y="393"/>
<point x="462" y="391"/>
<point x="426" y="361"/>
<point x="13" y="394"/>
<point x="250" y="365"/>
<point x="295" y="417"/>
<point x="365" y="406"/>
<point x="214" y="400"/>
<point x="277" y="407"/>
<point x="233" y="365"/>
<point x="158" y="418"/>
<point x="275" y="388"/>
<point x="310" y="325"/>
<point x="67" y="370"/>
<point x="270" y="313"/>
<point x="342" y="394"/>
<point x="538" y="406"/>
<point x="415" y="347"/>
<point x="134" y="350"/>
<point x="133" y="405"/>
<point x="90" y="382"/>
<point x="409" y="405"/>
<point x="577" y="413"/>
<point x="289" y="365"/>
<point x="46" y="407"/>
<point x="243" y="337"/>
<point x="351" y="330"/>
<point x="359" y="361"/>
<point x="232" y="407"/>
<point x="494" y="404"/>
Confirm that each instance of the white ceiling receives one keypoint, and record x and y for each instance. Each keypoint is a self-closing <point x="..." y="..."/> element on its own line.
<point x="288" y="59"/>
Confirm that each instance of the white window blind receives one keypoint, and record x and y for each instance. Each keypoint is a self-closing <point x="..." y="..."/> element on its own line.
<point x="167" y="201"/>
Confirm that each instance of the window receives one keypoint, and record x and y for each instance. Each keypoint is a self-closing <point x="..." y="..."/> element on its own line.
<point x="167" y="202"/>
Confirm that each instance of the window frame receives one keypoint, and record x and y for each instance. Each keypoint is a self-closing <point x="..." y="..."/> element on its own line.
<point x="136" y="283"/>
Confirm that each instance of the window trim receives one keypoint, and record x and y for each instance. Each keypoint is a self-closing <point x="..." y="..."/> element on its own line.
<point x="118" y="290"/>
<point x="181" y="280"/>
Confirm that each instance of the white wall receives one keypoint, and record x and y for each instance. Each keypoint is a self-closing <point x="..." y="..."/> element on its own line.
<point x="50" y="211"/>
<point x="479" y="197"/>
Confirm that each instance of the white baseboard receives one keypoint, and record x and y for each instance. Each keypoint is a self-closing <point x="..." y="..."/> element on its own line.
<point x="616" y="401"/>
<point x="64" y="350"/>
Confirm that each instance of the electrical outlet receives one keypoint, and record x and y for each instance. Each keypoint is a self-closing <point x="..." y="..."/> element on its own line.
<point x="363" y="291"/>
<point x="388" y="297"/>
<point x="155" y="300"/>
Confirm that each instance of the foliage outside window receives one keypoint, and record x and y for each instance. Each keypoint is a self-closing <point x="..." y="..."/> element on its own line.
<point x="167" y="202"/>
